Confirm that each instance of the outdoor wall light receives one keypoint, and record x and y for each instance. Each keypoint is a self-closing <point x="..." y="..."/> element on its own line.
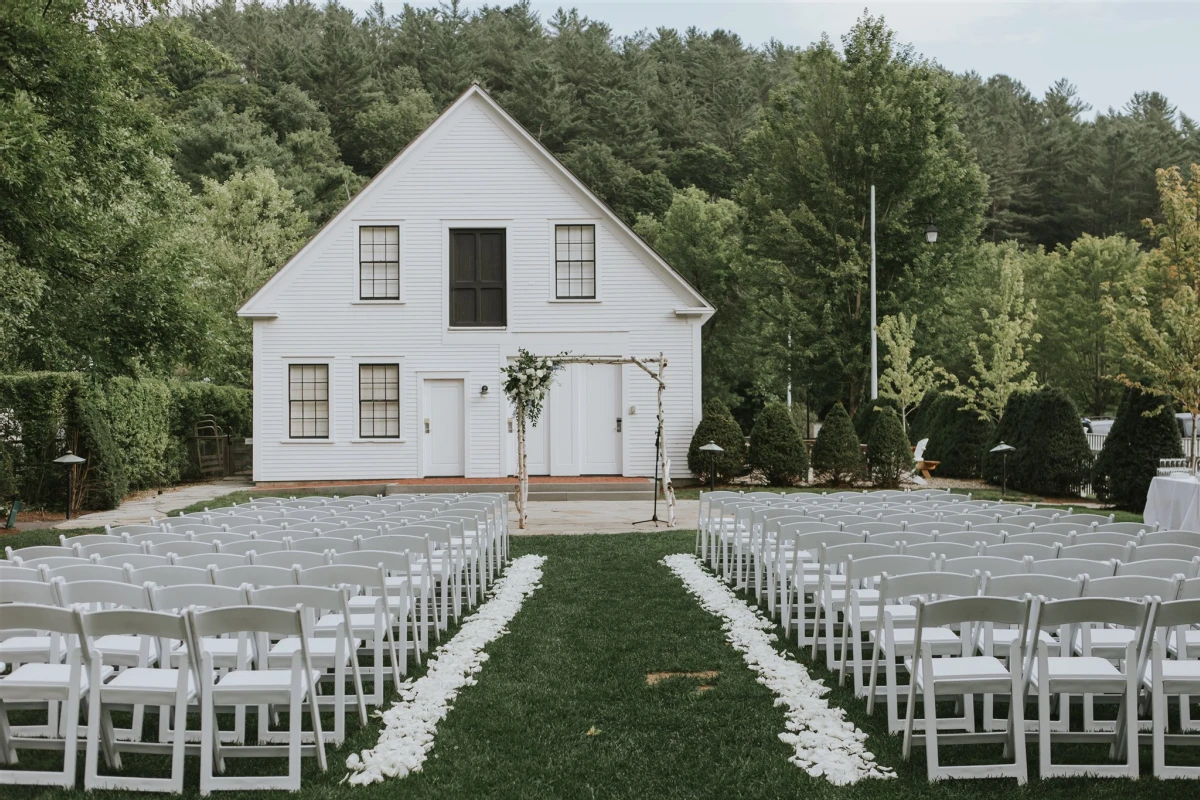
<point x="483" y="391"/>
<point x="931" y="232"/>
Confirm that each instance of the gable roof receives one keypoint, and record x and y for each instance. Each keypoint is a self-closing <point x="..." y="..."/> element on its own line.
<point x="476" y="93"/>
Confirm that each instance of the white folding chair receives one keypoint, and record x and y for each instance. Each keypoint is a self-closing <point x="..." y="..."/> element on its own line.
<point x="332" y="648"/>
<point x="1175" y="622"/>
<point x="218" y="560"/>
<point x="163" y="687"/>
<point x="963" y="677"/>
<point x="1089" y="674"/>
<point x="41" y="685"/>
<point x="398" y="571"/>
<point x="291" y="558"/>
<point x="294" y="689"/>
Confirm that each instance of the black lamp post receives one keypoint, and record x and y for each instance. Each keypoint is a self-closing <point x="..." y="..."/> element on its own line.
<point x="1003" y="449"/>
<point x="69" y="461"/>
<point x="712" y="448"/>
<point x="931" y="232"/>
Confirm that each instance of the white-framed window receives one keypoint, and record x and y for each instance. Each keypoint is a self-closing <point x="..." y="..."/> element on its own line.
<point x="379" y="262"/>
<point x="575" y="262"/>
<point x="379" y="401"/>
<point x="308" y="401"/>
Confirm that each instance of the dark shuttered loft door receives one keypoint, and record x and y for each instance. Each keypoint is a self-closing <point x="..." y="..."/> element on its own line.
<point x="477" y="276"/>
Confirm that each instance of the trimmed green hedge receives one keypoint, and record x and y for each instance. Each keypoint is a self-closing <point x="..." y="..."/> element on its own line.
<point x="776" y="447"/>
<point x="889" y="455"/>
<point x="837" y="457"/>
<point x="1052" y="456"/>
<point x="134" y="433"/>
<point x="717" y="425"/>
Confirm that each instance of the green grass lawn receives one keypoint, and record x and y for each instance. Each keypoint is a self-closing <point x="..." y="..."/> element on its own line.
<point x="563" y="709"/>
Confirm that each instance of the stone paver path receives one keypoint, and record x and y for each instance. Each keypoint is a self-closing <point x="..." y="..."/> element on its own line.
<point x="599" y="516"/>
<point x="139" y="510"/>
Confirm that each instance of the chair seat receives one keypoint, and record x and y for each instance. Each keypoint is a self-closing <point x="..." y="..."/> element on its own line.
<point x="1002" y="639"/>
<point x="366" y="604"/>
<point x="1106" y="640"/>
<point x="1179" y="671"/>
<point x="47" y="676"/>
<point x="122" y="646"/>
<point x="1087" y="669"/>
<point x="943" y="641"/>
<point x="267" y="682"/>
<point x="362" y="625"/>
<point x="26" y="648"/>
<point x="974" y="668"/>
<point x="148" y="679"/>
<point x="321" y="650"/>
<point x="224" y="652"/>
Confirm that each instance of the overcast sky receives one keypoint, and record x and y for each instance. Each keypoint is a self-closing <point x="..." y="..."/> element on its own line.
<point x="1108" y="49"/>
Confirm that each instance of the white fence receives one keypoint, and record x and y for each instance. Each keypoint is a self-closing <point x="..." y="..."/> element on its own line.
<point x="1096" y="443"/>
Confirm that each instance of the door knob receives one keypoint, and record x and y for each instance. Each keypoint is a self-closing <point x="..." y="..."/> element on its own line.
<point x="618" y="424"/>
<point x="427" y="425"/>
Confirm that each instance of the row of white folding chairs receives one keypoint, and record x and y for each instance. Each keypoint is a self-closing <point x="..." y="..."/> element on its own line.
<point x="289" y="662"/>
<point x="953" y="653"/>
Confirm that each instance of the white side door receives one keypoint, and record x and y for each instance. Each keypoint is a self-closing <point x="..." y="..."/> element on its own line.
<point x="601" y="421"/>
<point x="444" y="406"/>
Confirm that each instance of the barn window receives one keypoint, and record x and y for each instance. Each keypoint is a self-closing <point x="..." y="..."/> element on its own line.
<point x="379" y="401"/>
<point x="308" y="401"/>
<point x="379" y="262"/>
<point x="575" y="262"/>
<point x="478" y="276"/>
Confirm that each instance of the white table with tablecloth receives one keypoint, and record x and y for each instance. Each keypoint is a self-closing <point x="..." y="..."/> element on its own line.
<point x="1174" y="503"/>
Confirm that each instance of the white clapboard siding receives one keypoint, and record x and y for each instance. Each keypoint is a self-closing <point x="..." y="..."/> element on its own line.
<point x="470" y="169"/>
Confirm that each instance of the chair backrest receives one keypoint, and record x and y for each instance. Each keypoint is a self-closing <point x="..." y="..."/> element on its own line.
<point x="1125" y="527"/>
<point x="873" y="528"/>
<point x="1007" y="527"/>
<point x="1052" y="587"/>
<point x="1161" y="568"/>
<point x="22" y="616"/>
<point x="1182" y="614"/>
<point x="86" y="572"/>
<point x="1098" y="552"/>
<point x="23" y="591"/>
<point x="120" y="530"/>
<point x="170" y="575"/>
<point x="1132" y="586"/>
<point x="1064" y="528"/>
<point x="53" y="562"/>
<point x="188" y="527"/>
<point x="251" y="546"/>
<point x="995" y="565"/>
<point x="135" y="561"/>
<point x="254" y="575"/>
<point x="219" y="560"/>
<point x="1071" y="567"/>
<point x="102" y="549"/>
<point x="1185" y="552"/>
<point x="199" y="595"/>
<point x="1170" y="537"/>
<point x="1040" y="537"/>
<point x="289" y="558"/>
<point x="1088" y="519"/>
<point x="353" y="575"/>
<point x="39" y="551"/>
<point x="349" y="533"/>
<point x="1106" y="537"/>
<point x="89" y="538"/>
<point x="101" y="594"/>
<point x="971" y="537"/>
<point x="402" y="543"/>
<point x="968" y="519"/>
<point x="833" y="556"/>
<point x="390" y="561"/>
<point x="1045" y="513"/>
<point x="217" y="538"/>
<point x="931" y="527"/>
<point x="320" y="544"/>
<point x="957" y="610"/>
<point x="310" y="598"/>
<point x="250" y="619"/>
<point x="181" y="548"/>
<point x="256" y="529"/>
<point x="1189" y="589"/>
<point x="157" y="537"/>
<point x="1089" y="609"/>
<point x="165" y="627"/>
<point x="10" y="572"/>
<point x="895" y="537"/>
<point x="871" y="568"/>
<point x="810" y="526"/>
<point x="1032" y="550"/>
<point x="942" y="549"/>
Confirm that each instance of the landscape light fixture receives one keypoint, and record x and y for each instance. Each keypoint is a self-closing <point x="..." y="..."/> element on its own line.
<point x="483" y="391"/>
<point x="931" y="232"/>
<point x="712" y="448"/>
<point x="69" y="461"/>
<point x="1003" y="449"/>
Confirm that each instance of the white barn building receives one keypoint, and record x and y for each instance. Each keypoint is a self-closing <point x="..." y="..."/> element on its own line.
<point x="378" y="347"/>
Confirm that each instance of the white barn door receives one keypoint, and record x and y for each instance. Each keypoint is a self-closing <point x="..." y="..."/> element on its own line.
<point x="600" y="423"/>
<point x="445" y="436"/>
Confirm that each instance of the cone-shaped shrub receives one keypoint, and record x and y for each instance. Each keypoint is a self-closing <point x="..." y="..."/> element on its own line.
<point x="1144" y="431"/>
<point x="837" y="457"/>
<point x="719" y="426"/>
<point x="868" y="414"/>
<point x="776" y="447"/>
<point x="1052" y="457"/>
<point x="957" y="438"/>
<point x="889" y="455"/>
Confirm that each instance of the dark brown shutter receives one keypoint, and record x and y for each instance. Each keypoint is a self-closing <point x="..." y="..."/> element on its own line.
<point x="478" y="271"/>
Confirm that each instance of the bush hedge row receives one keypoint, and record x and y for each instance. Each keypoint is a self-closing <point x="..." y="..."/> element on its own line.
<point x="134" y="432"/>
<point x="1052" y="456"/>
<point x="957" y="438"/>
<point x="1144" y="431"/>
<point x="717" y="425"/>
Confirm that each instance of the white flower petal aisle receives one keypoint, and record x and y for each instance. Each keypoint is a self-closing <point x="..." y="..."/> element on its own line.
<point x="409" y="725"/>
<point x="827" y="744"/>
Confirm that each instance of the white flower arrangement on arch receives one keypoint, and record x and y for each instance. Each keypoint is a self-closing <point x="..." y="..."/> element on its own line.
<point x="827" y="744"/>
<point x="527" y="381"/>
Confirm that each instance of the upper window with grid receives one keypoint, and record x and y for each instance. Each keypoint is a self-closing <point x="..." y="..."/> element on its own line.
<point x="308" y="401"/>
<point x="379" y="401"/>
<point x="379" y="262"/>
<point x="575" y="261"/>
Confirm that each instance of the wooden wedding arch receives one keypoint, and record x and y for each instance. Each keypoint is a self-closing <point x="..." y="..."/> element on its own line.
<point x="654" y="367"/>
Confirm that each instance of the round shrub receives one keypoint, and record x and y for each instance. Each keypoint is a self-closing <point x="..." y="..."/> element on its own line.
<point x="776" y="447"/>
<point x="957" y="438"/>
<point x="868" y="414"/>
<point x="837" y="456"/>
<point x="719" y="426"/>
<point x="889" y="455"/>
<point x="1144" y="431"/>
